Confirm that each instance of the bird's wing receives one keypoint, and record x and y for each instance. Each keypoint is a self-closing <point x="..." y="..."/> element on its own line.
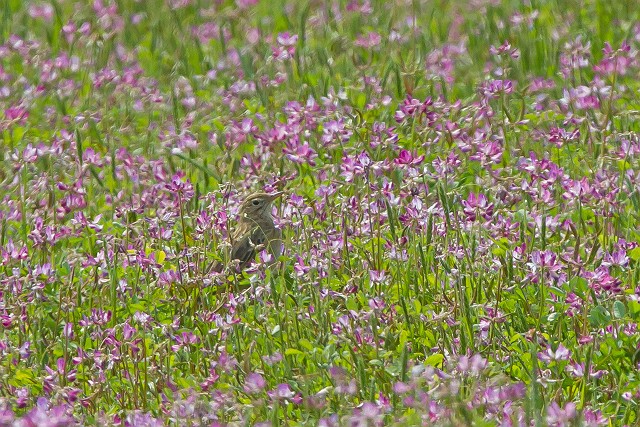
<point x="244" y="249"/>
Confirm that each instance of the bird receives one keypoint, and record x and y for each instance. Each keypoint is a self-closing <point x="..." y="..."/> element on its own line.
<point x="254" y="232"/>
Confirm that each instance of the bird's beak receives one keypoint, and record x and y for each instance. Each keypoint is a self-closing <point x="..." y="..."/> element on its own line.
<point x="275" y="195"/>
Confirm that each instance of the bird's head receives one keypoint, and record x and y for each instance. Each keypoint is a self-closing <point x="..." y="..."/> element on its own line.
<point x="258" y="204"/>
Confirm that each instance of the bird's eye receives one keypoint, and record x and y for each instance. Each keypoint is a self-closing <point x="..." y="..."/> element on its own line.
<point x="255" y="202"/>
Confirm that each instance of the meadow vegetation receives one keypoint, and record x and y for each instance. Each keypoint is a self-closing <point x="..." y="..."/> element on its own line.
<point x="460" y="219"/>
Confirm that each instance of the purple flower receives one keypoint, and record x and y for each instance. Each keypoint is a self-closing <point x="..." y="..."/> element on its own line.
<point x="272" y="359"/>
<point x="180" y="186"/>
<point x="67" y="330"/>
<point x="581" y="97"/>
<point x="377" y="276"/>
<point x="494" y="88"/>
<point x="561" y="353"/>
<point x="505" y="48"/>
<point x="335" y="130"/>
<point x="577" y="370"/>
<point x="185" y="339"/>
<point x="616" y="62"/>
<point x="281" y="392"/>
<point x="44" y="11"/>
<point x="406" y="158"/>
<point x="286" y="47"/>
<point x="138" y="418"/>
<point x="473" y="365"/>
<point x="254" y="383"/>
<point x="601" y="280"/>
<point x="561" y="417"/>
<point x="22" y="397"/>
<point x="575" y="55"/>
<point x="369" y="40"/>
<point x="367" y="414"/>
<point x="578" y="190"/>
<point x="546" y="259"/>
<point x="25" y="350"/>
<point x="617" y="258"/>
<point x="441" y="61"/>
<point x="401" y="388"/>
<point x="43" y="414"/>
<point x="376" y="303"/>
<point x="299" y="267"/>
<point x="560" y="136"/>
<point x="287" y="39"/>
<point x="477" y="205"/>
<point x="301" y="153"/>
<point x="594" y="418"/>
<point x="331" y="421"/>
<point x="411" y="107"/>
<point x="488" y="153"/>
<point x="266" y="257"/>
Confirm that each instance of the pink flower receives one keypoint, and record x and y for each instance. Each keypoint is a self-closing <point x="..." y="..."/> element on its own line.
<point x="368" y="40"/>
<point x="477" y="205"/>
<point x="406" y="158"/>
<point x="561" y="353"/>
<point x="473" y="365"/>
<point x="16" y="114"/>
<point x="254" y="383"/>
<point x="286" y="47"/>
<point x="561" y="417"/>
<point x="281" y="392"/>
<point x="615" y="62"/>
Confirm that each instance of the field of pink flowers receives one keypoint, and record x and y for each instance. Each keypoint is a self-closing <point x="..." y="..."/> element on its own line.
<point x="461" y="213"/>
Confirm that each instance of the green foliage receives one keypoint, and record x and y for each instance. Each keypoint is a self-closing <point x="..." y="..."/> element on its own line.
<point x="114" y="307"/>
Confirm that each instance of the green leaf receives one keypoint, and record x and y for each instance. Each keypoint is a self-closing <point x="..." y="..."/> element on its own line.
<point x="305" y="343"/>
<point x="599" y="316"/>
<point x="498" y="251"/>
<point x="579" y="285"/>
<point x="138" y="306"/>
<point x="160" y="256"/>
<point x="293" y="351"/>
<point x="22" y="377"/>
<point x="624" y="165"/>
<point x="434" y="360"/>
<point x="619" y="310"/>
<point x="554" y="316"/>
<point x="634" y="253"/>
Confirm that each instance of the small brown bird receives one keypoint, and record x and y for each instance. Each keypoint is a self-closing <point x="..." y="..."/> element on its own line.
<point x="255" y="231"/>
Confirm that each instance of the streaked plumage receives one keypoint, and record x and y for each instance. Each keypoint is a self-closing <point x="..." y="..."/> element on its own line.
<point x="255" y="230"/>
